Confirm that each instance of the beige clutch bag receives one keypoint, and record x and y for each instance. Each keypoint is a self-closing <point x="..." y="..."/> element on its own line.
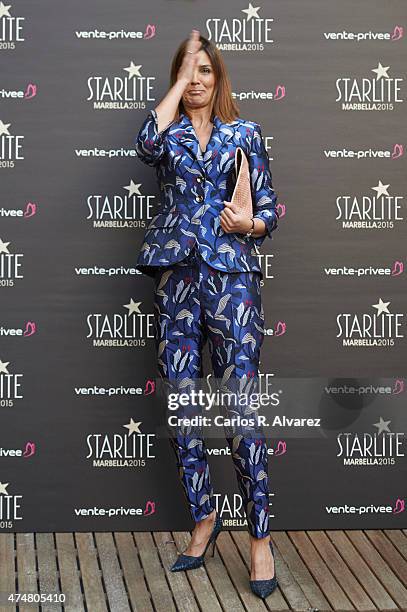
<point x="242" y="195"/>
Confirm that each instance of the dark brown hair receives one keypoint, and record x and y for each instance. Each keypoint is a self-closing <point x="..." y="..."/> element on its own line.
<point x="223" y="104"/>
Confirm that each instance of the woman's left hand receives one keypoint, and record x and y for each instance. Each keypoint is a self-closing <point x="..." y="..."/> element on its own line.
<point x="233" y="220"/>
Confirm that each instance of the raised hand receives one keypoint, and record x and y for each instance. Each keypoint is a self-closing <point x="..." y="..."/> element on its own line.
<point x="186" y="71"/>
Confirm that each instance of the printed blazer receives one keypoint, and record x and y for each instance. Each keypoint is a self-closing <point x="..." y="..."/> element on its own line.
<point x="193" y="188"/>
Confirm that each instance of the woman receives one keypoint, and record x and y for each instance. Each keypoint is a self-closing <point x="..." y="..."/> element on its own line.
<point x="202" y="252"/>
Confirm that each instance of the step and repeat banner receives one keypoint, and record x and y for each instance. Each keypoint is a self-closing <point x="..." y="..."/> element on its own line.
<point x="81" y="433"/>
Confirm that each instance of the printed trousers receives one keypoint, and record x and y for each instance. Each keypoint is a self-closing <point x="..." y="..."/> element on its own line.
<point x="195" y="304"/>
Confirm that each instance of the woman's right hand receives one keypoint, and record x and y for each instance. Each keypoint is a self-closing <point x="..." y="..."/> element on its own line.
<point x="186" y="71"/>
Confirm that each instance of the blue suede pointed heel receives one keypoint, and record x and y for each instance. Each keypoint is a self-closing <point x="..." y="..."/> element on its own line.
<point x="264" y="588"/>
<point x="186" y="562"/>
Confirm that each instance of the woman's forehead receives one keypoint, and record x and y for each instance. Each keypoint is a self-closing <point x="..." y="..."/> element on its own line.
<point x="204" y="59"/>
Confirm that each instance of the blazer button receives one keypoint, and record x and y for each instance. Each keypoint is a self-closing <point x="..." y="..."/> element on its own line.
<point x="199" y="198"/>
<point x="198" y="179"/>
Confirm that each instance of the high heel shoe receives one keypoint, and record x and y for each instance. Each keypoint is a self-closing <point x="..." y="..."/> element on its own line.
<point x="264" y="588"/>
<point x="186" y="562"/>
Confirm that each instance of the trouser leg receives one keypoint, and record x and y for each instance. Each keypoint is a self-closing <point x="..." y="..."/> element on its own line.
<point x="179" y="337"/>
<point x="235" y="320"/>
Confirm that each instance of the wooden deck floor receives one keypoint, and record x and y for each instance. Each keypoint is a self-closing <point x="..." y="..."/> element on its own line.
<point x="124" y="571"/>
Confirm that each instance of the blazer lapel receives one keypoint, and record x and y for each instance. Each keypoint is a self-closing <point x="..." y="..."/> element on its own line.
<point x="221" y="134"/>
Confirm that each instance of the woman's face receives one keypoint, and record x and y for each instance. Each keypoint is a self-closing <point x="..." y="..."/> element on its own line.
<point x="200" y="90"/>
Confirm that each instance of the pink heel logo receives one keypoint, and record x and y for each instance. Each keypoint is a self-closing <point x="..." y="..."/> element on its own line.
<point x="399" y="506"/>
<point x="281" y="210"/>
<point x="149" y="388"/>
<point x="30" y="92"/>
<point x="30" y="210"/>
<point x="398" y="268"/>
<point x="280" y="92"/>
<point x="398" y="151"/>
<point x="150" y="31"/>
<point x="29" y="450"/>
<point x="149" y="509"/>
<point x="398" y="387"/>
<point x="30" y="329"/>
<point x="397" y="32"/>
<point x="280" y="328"/>
<point x="281" y="448"/>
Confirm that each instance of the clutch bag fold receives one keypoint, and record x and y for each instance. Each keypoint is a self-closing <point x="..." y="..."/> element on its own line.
<point x="242" y="195"/>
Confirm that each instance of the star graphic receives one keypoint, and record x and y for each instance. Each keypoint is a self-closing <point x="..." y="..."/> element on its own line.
<point x="133" y="427"/>
<point x="3" y="367"/>
<point x="4" y="128"/>
<point x="133" y="188"/>
<point x="381" y="190"/>
<point x="382" y="426"/>
<point x="381" y="71"/>
<point x="251" y="12"/>
<point x="3" y="488"/>
<point x="3" y="246"/>
<point x="133" y="70"/>
<point x="4" y="10"/>
<point x="133" y="306"/>
<point x="381" y="307"/>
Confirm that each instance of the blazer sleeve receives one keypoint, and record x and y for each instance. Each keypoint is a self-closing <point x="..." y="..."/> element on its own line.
<point x="149" y="142"/>
<point x="264" y="196"/>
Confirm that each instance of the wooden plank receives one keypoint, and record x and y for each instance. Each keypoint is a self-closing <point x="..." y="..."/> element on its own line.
<point x="286" y="580"/>
<point x="391" y="555"/>
<point x="26" y="570"/>
<point x="300" y="571"/>
<point x="7" y="573"/>
<point x="199" y="578"/>
<point x="47" y="569"/>
<point x="321" y="573"/>
<point x="68" y="570"/>
<point x="360" y="568"/>
<point x="90" y="572"/>
<point x="154" y="573"/>
<point x="399" y="540"/>
<point x="379" y="567"/>
<point x="111" y="571"/>
<point x="133" y="573"/>
<point x="369" y="567"/>
<point x="180" y="587"/>
<point x="341" y="571"/>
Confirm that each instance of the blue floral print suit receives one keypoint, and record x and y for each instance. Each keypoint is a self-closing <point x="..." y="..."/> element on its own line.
<point x="193" y="188"/>
<point x="207" y="289"/>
